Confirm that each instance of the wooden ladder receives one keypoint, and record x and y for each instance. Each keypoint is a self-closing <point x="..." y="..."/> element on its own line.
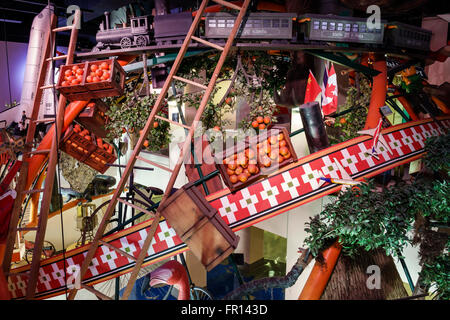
<point x="183" y="153"/>
<point x="40" y="228"/>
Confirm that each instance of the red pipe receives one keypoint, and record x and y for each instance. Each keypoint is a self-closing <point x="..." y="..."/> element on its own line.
<point x="378" y="97"/>
<point x="321" y="273"/>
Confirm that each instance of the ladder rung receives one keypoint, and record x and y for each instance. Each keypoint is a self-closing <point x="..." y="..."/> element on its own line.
<point x="49" y="86"/>
<point x="153" y="163"/>
<point x="66" y="28"/>
<point x="39" y="151"/>
<point x="213" y="45"/>
<point x="135" y="206"/>
<point x="96" y="292"/>
<point x="61" y="57"/>
<point x="44" y="120"/>
<point x="120" y="251"/>
<point x="191" y="82"/>
<point x="172" y="122"/>
<point x="27" y="228"/>
<point x="228" y="4"/>
<point x="32" y="191"/>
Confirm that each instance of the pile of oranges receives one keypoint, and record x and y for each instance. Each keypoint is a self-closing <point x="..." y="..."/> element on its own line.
<point x="261" y="122"/>
<point x="242" y="166"/>
<point x="73" y="76"/>
<point x="99" y="72"/>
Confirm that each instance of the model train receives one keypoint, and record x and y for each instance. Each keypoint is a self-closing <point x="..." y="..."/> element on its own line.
<point x="267" y="26"/>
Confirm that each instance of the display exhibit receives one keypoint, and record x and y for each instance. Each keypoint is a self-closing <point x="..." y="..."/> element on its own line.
<point x="217" y="150"/>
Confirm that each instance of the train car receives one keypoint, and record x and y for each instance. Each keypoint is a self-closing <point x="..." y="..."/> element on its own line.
<point x="172" y="28"/>
<point x="403" y="35"/>
<point x="258" y="25"/>
<point x="331" y="28"/>
<point x="137" y="34"/>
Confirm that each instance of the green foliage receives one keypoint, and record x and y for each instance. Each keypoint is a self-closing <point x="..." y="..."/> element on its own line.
<point x="367" y="220"/>
<point x="438" y="153"/>
<point x="432" y="200"/>
<point x="349" y="124"/>
<point x="131" y="116"/>
<point x="437" y="273"/>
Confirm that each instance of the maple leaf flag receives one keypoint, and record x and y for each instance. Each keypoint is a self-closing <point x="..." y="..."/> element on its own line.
<point x="313" y="90"/>
<point x="330" y="96"/>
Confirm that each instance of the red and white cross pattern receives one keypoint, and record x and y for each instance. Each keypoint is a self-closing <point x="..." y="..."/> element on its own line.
<point x="256" y="199"/>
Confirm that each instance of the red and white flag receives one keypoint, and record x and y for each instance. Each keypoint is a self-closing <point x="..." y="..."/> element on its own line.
<point x="313" y="90"/>
<point x="330" y="94"/>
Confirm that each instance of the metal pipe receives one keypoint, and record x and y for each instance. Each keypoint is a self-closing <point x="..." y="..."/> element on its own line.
<point x="316" y="136"/>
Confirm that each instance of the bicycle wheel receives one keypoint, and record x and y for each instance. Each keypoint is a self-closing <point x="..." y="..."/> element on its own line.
<point x="198" y="293"/>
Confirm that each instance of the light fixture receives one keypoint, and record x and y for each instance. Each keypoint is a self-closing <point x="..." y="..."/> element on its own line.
<point x="10" y="21"/>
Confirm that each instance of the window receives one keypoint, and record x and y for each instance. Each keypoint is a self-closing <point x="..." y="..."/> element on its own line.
<point x="142" y="22"/>
<point x="135" y="23"/>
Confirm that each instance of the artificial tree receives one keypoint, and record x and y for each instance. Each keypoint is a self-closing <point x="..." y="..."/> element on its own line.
<point x="130" y="117"/>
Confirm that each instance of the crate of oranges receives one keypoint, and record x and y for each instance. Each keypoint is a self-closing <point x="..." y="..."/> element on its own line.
<point x="87" y="148"/>
<point x="101" y="156"/>
<point x="78" y="142"/>
<point x="91" y="80"/>
<point x="238" y="166"/>
<point x="71" y="79"/>
<point x="255" y="158"/>
<point x="105" y="78"/>
<point x="274" y="149"/>
<point x="93" y="117"/>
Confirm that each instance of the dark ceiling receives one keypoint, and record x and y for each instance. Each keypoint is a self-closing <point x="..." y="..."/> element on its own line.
<point x="16" y="16"/>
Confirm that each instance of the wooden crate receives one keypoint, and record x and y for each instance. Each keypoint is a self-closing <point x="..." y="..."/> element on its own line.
<point x="100" y="158"/>
<point x="113" y="85"/>
<point x="199" y="225"/>
<point x="223" y="166"/>
<point x="264" y="136"/>
<point x="77" y="146"/>
<point x="93" y="118"/>
<point x="70" y="89"/>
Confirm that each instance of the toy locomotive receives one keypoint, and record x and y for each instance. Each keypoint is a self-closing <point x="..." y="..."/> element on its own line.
<point x="268" y="26"/>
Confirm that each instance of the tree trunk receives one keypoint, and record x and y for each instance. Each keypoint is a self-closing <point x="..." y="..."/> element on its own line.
<point x="350" y="279"/>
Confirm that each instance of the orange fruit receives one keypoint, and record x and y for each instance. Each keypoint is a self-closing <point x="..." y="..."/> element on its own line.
<point x="255" y="124"/>
<point x="280" y="158"/>
<point x="249" y="153"/>
<point x="252" y="168"/>
<point x="247" y="173"/>
<point x="216" y="128"/>
<point x="238" y="170"/>
<point x="228" y="100"/>
<point x="272" y="140"/>
<point x="146" y="143"/>
<point x="261" y="126"/>
<point x="280" y="137"/>
<point x="232" y="166"/>
<point x="230" y="172"/>
<point x="287" y="155"/>
<point x="342" y="120"/>
<point x="284" y="151"/>
<point x="266" y="162"/>
<point x="266" y="119"/>
<point x="234" y="178"/>
<point x="273" y="155"/>
<point x="260" y="119"/>
<point x="155" y="124"/>
<point x="282" y="143"/>
<point x="242" y="177"/>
